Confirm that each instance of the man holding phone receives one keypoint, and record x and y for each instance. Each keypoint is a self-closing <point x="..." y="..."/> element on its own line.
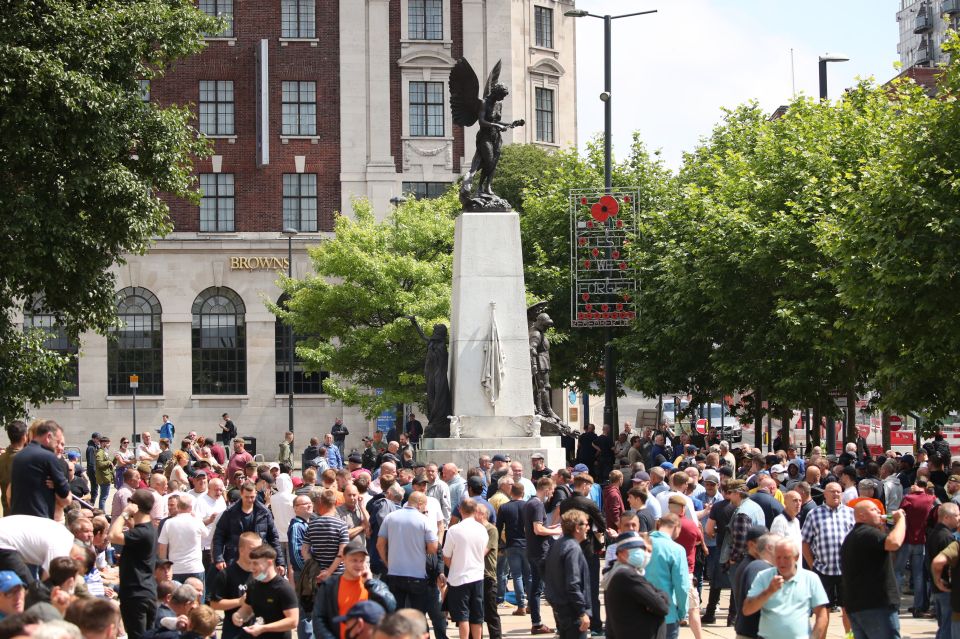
<point x="787" y="594"/>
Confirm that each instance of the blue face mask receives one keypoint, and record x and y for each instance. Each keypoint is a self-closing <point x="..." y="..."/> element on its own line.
<point x="637" y="557"/>
<point x="261" y="576"/>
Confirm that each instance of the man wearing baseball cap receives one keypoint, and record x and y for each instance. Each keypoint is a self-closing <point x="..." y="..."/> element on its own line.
<point x="354" y="595"/>
<point x="12" y="594"/>
<point x="635" y="608"/>
<point x="361" y="620"/>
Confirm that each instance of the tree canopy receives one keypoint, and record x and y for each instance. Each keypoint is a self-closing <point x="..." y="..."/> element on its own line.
<point x="366" y="281"/>
<point x="82" y="157"/>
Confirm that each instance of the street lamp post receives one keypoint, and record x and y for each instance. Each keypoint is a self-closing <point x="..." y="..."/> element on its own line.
<point x="822" y="68"/>
<point x="824" y="59"/>
<point x="609" y="353"/>
<point x="401" y="408"/>
<point x="290" y="232"/>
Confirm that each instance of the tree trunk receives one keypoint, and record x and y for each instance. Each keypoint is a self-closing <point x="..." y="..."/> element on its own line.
<point x="852" y="432"/>
<point x="885" y="429"/>
<point x="758" y="419"/>
<point x="814" y="425"/>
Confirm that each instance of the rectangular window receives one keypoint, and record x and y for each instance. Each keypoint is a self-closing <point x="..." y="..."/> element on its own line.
<point x="543" y="19"/>
<point x="216" y="107"/>
<point x="426" y="109"/>
<point x="219" y="9"/>
<point x="144" y="90"/>
<point x="425" y="19"/>
<point x="300" y="201"/>
<point x="299" y="108"/>
<point x="298" y="19"/>
<point x="544" y="115"/>
<point x="425" y="190"/>
<point x="216" y="202"/>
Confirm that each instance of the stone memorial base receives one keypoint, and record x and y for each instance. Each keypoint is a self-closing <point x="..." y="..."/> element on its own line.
<point x="465" y="451"/>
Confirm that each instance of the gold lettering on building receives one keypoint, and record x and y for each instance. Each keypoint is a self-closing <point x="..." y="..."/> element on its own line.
<point x="259" y="263"/>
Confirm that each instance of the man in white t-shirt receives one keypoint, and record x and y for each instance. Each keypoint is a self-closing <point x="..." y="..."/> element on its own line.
<point x="463" y="553"/>
<point x="208" y="507"/>
<point x="26" y="540"/>
<point x="181" y="541"/>
<point x="678" y="486"/>
<point x="147" y="450"/>
<point x="434" y="510"/>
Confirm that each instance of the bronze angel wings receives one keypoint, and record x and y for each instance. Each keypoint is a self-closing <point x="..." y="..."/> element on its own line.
<point x="464" y="89"/>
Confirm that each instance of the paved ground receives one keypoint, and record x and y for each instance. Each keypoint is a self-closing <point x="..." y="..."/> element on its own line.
<point x="910" y="628"/>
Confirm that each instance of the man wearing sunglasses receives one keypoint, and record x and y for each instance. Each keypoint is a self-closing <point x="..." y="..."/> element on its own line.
<point x="567" y="577"/>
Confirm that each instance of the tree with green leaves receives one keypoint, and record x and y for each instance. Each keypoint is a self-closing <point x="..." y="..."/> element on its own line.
<point x="367" y="280"/>
<point x="82" y="157"/>
<point x="897" y="249"/>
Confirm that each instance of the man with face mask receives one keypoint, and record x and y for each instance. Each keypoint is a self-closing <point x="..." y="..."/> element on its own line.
<point x="229" y="585"/>
<point x="635" y="608"/>
<point x="270" y="602"/>
<point x="336" y="596"/>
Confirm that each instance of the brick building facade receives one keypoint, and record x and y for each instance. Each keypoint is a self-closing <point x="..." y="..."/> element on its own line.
<point x="308" y="104"/>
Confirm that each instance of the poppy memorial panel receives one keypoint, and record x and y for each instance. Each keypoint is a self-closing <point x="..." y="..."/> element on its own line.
<point x="603" y="280"/>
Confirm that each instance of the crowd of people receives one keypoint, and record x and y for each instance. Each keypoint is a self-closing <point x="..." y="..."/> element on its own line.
<point x="149" y="542"/>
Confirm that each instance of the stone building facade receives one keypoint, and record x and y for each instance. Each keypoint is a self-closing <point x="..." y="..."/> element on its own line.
<point x="308" y="104"/>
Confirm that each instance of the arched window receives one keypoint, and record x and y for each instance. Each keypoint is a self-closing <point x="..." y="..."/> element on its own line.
<point x="303" y="383"/>
<point x="136" y="348"/>
<point x="57" y="340"/>
<point x="219" y="343"/>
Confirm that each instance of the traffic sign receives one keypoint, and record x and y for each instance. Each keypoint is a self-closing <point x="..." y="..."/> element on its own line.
<point x="134" y="381"/>
<point x="896" y="423"/>
<point x="702" y="426"/>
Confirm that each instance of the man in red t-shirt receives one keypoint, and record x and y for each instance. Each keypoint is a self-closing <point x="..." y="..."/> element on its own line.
<point x="690" y="537"/>
<point x="916" y="505"/>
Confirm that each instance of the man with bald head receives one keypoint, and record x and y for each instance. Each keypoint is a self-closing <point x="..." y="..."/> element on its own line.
<point x="787" y="523"/>
<point x="787" y="595"/>
<point x="404" y="541"/>
<point x="766" y="489"/>
<point x="871" y="595"/>
<point x="823" y="533"/>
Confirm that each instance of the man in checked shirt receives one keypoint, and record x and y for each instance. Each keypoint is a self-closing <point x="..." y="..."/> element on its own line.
<point x="747" y="514"/>
<point x="824" y="530"/>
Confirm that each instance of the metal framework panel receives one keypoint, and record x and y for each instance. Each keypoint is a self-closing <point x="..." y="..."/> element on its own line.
<point x="603" y="281"/>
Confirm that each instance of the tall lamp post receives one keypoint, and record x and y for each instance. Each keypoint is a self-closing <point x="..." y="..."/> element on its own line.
<point x="290" y="232"/>
<point x="822" y="69"/>
<point x="824" y="60"/>
<point x="401" y="409"/>
<point x="609" y="353"/>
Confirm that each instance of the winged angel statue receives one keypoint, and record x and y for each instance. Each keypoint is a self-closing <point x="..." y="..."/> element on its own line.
<point x="467" y="110"/>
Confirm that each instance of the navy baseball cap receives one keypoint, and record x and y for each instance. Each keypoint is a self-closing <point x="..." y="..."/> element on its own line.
<point x="369" y="611"/>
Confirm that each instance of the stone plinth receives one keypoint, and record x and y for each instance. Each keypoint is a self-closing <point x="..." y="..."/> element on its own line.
<point x="488" y="269"/>
<point x="465" y="452"/>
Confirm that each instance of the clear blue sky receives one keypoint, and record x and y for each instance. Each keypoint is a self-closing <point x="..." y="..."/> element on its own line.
<point x="674" y="70"/>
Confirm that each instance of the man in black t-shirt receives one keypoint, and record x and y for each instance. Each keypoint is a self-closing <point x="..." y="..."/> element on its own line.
<point x="230" y="584"/>
<point x="719" y="519"/>
<point x="270" y="601"/>
<point x="538" y="537"/>
<point x="870" y="594"/>
<point x="138" y="587"/>
<point x="511" y="528"/>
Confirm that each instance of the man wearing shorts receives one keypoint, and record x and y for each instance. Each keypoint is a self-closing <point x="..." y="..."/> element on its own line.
<point x="463" y="553"/>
